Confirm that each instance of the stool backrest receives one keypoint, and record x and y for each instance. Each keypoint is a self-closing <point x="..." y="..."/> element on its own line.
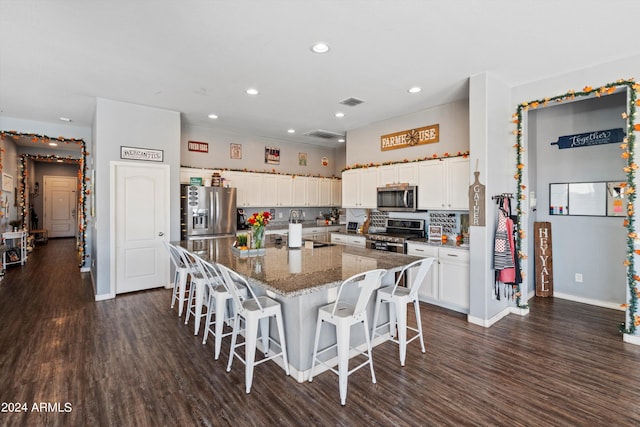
<point x="368" y="282"/>
<point x="174" y="255"/>
<point x="229" y="279"/>
<point x="423" y="266"/>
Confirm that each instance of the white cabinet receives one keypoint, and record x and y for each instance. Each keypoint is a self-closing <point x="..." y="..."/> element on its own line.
<point x="359" y="188"/>
<point x="447" y="285"/>
<point x="313" y="192"/>
<point x="237" y="180"/>
<point x="444" y="184"/>
<point x="16" y="251"/>
<point x="429" y="290"/>
<point x="253" y="194"/>
<point x="336" y="192"/>
<point x="276" y="190"/>
<point x="348" y="239"/>
<point x="299" y="191"/>
<point x="454" y="278"/>
<point x="324" y="192"/>
<point x="398" y="173"/>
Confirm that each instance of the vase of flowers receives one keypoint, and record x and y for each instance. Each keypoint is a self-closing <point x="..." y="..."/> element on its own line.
<point x="258" y="222"/>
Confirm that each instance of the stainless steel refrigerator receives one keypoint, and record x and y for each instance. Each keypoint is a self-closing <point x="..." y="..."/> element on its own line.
<point x="207" y="211"/>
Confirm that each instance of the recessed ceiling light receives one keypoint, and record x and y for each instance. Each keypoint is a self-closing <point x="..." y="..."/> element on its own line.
<point x="252" y="91"/>
<point x="291" y="131"/>
<point x="213" y="116"/>
<point x="65" y="119"/>
<point x="339" y="114"/>
<point x="320" y="47"/>
<point x="415" y="89"/>
<point x="53" y="144"/>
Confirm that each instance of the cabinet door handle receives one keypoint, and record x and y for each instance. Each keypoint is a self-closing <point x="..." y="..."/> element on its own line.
<point x="418" y="250"/>
<point x="453" y="255"/>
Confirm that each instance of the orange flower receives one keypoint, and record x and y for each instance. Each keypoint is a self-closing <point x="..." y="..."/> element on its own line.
<point x="587" y="89"/>
<point x="520" y="166"/>
<point x="626" y="263"/>
<point x="623" y="146"/>
<point x="636" y="127"/>
<point x="624" y="305"/>
<point x="625" y="155"/>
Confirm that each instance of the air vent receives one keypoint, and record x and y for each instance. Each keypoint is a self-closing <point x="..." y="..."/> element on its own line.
<point x="351" y="102"/>
<point x="324" y="134"/>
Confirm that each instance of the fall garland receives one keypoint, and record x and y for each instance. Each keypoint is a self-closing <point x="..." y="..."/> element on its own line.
<point x="628" y="148"/>
<point x="434" y="156"/>
<point x="83" y="191"/>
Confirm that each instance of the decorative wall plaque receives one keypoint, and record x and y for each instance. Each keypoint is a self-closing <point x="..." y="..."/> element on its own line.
<point x="410" y="138"/>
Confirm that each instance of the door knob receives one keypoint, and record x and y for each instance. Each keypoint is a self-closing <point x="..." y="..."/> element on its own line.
<point x="161" y="234"/>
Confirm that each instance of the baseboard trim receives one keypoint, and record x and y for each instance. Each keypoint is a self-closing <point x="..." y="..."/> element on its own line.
<point x="103" y="297"/>
<point x="589" y="301"/>
<point x="631" y="339"/>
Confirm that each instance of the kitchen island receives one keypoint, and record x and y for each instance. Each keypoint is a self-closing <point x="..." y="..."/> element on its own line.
<point x="302" y="280"/>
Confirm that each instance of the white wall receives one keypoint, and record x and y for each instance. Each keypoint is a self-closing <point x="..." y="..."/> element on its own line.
<point x="253" y="148"/>
<point x="120" y="124"/>
<point x="363" y="144"/>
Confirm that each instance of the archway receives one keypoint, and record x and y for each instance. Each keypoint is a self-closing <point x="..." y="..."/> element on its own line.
<point x="83" y="190"/>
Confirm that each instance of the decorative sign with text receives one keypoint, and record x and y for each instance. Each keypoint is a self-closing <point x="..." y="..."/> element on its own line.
<point x="135" y="153"/>
<point x="477" y="191"/>
<point x="410" y="138"/>
<point x="544" y="259"/>
<point x="599" y="137"/>
<point x="200" y="147"/>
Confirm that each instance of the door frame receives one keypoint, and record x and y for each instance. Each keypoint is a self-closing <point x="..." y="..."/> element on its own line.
<point x="114" y="165"/>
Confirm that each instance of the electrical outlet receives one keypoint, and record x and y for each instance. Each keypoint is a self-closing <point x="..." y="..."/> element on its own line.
<point x="578" y="278"/>
<point x="279" y="214"/>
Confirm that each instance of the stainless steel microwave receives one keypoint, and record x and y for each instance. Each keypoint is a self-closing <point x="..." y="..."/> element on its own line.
<point x="398" y="198"/>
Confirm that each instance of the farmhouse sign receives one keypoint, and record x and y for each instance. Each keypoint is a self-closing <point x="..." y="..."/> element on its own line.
<point x="410" y="138"/>
<point x="599" y="137"/>
<point x="544" y="259"/>
<point x="200" y="147"/>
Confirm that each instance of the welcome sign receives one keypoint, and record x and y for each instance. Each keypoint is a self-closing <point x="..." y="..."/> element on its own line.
<point x="599" y="137"/>
<point x="410" y="138"/>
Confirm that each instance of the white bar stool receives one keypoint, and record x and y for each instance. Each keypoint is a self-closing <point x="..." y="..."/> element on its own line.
<point x="217" y="303"/>
<point x="198" y="291"/>
<point x="343" y="315"/>
<point x="254" y="311"/>
<point x="398" y="297"/>
<point x="180" y="277"/>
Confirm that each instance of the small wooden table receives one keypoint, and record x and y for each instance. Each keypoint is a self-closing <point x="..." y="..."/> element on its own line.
<point x="40" y="235"/>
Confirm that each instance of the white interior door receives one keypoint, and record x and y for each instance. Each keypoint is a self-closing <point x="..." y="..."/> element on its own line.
<point x="139" y="225"/>
<point x="60" y="206"/>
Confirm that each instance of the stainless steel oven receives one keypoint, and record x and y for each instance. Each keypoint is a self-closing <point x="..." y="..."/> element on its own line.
<point x="386" y="246"/>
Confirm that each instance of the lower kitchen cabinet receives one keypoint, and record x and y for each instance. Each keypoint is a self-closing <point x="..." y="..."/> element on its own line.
<point x="447" y="285"/>
<point x="347" y="239"/>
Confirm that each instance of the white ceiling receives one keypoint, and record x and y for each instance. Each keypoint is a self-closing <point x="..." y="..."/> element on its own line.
<point x="198" y="57"/>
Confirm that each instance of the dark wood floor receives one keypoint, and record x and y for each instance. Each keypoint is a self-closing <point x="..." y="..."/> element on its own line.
<point x="132" y="361"/>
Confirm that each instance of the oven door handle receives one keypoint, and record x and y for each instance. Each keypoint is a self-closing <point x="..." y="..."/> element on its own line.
<point x="406" y="194"/>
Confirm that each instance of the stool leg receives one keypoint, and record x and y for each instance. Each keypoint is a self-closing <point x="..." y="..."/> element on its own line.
<point x="182" y="290"/>
<point x="315" y="347"/>
<point x="392" y="318"/>
<point x="251" y="337"/>
<point x="234" y="336"/>
<point x="283" y="343"/>
<point x="366" y="336"/>
<point x="374" y="326"/>
<point x="207" y="322"/>
<point x="199" y="302"/>
<point x="176" y="284"/>
<point x="189" y="302"/>
<point x="401" y="315"/>
<point x="264" y="330"/>
<point x="343" y="360"/>
<point x="416" y="306"/>
<point x="221" y="303"/>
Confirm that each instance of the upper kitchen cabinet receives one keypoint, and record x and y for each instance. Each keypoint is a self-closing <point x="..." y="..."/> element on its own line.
<point x="277" y="190"/>
<point x="399" y="173"/>
<point x="359" y="188"/>
<point x="336" y="192"/>
<point x="313" y="191"/>
<point x="444" y="184"/>
<point x="324" y="192"/>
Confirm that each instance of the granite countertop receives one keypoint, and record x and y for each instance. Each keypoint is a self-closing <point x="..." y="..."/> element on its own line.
<point x="293" y="272"/>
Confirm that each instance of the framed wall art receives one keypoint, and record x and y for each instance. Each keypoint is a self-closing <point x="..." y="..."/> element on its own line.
<point x="235" y="151"/>
<point x="302" y="159"/>
<point x="7" y="182"/>
<point x="272" y="155"/>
